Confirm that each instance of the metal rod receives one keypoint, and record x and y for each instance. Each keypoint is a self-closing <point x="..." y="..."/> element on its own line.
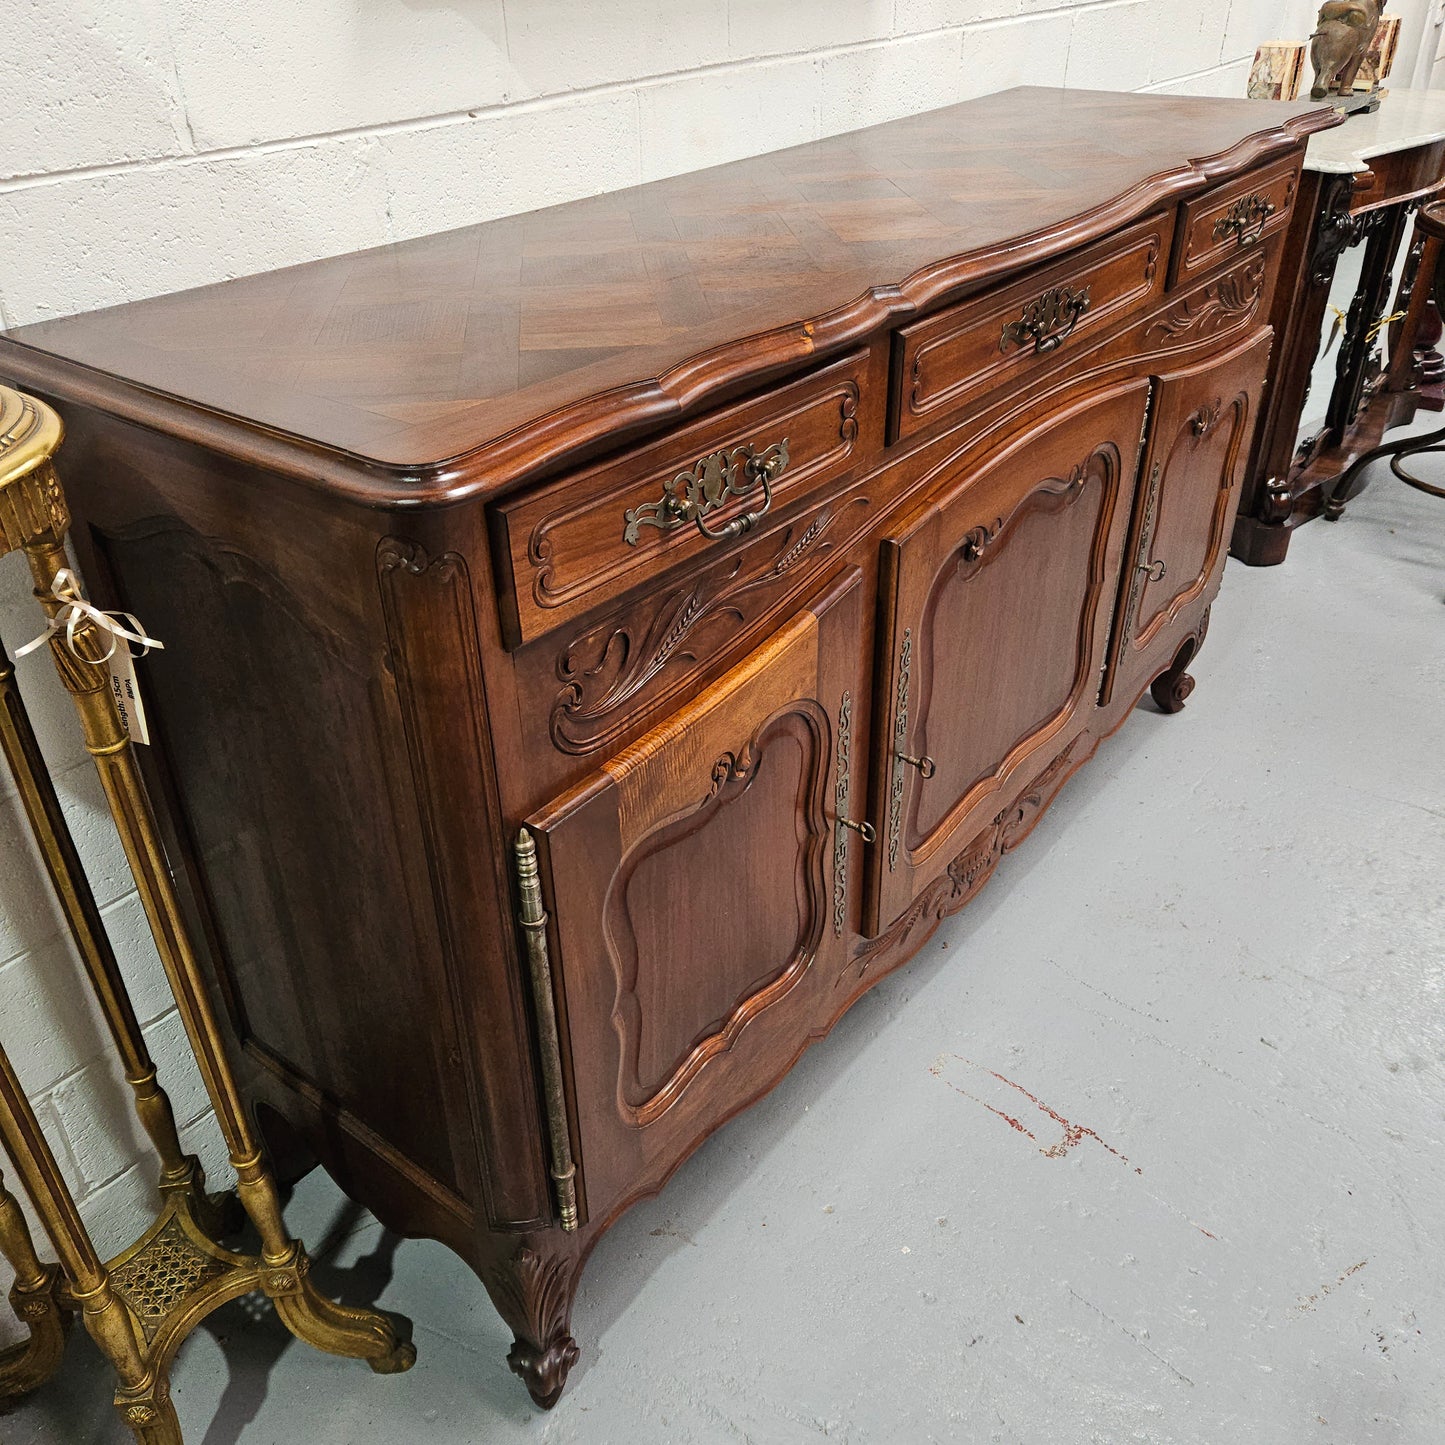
<point x="533" y="918"/>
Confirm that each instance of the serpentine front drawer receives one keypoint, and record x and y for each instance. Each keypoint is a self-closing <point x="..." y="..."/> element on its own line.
<point x="593" y="535"/>
<point x="1233" y="217"/>
<point x="958" y="355"/>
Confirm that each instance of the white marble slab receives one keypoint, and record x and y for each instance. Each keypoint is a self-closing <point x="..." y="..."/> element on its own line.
<point x="1405" y="118"/>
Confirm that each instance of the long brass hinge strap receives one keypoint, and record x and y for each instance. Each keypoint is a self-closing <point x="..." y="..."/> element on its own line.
<point x="533" y="918"/>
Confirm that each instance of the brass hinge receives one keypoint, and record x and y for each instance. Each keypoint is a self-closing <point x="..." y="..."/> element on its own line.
<point x="1144" y="425"/>
<point x="533" y="918"/>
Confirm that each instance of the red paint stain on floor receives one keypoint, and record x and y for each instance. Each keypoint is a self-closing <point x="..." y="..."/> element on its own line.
<point x="1073" y="1134"/>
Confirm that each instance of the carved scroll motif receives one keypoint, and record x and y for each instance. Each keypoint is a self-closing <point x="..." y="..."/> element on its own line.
<point x="533" y="1294"/>
<point x="608" y="666"/>
<point x="1224" y="303"/>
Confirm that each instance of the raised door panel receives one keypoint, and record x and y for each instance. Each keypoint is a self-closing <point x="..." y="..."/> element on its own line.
<point x="1198" y="447"/>
<point x="996" y="598"/>
<point x="703" y="891"/>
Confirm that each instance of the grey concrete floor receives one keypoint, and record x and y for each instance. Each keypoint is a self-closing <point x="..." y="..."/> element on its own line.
<point x="1145" y="1146"/>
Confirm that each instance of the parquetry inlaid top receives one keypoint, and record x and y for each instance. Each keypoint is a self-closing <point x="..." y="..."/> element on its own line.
<point x="514" y="342"/>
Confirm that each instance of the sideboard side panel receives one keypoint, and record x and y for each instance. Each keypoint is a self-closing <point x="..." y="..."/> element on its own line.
<point x="435" y="656"/>
<point x="278" y="733"/>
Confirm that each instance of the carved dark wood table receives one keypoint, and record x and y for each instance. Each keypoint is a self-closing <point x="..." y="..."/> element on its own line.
<point x="602" y="643"/>
<point x="1359" y="186"/>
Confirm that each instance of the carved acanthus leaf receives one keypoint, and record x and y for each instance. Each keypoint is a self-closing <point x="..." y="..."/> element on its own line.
<point x="533" y="1294"/>
<point x="1231" y="299"/>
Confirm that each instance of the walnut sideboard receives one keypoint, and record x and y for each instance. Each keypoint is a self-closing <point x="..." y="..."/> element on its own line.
<point x="602" y="643"/>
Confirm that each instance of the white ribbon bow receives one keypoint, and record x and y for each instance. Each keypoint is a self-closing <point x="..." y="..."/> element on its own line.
<point x="75" y="612"/>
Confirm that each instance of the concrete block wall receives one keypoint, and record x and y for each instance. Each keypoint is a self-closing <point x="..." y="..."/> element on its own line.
<point x="150" y="145"/>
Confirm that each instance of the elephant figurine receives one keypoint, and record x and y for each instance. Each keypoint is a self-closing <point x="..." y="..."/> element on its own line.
<point x="1340" y="44"/>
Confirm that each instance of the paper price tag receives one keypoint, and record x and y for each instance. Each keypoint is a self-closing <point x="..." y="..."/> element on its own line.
<point x="126" y="692"/>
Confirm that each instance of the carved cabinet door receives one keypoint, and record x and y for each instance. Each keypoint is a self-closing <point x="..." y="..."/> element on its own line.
<point x="1199" y="443"/>
<point x="702" y="891"/>
<point x="995" y="597"/>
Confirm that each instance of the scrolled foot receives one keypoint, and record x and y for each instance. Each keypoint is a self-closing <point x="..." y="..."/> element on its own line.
<point x="1171" y="690"/>
<point x="533" y="1293"/>
<point x="544" y="1371"/>
<point x="383" y="1340"/>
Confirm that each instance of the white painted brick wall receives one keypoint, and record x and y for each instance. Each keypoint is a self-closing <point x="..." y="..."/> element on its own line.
<point x="149" y="145"/>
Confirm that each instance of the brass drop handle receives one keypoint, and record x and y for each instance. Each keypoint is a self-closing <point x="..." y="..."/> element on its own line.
<point x="710" y="483"/>
<point x="1245" y="219"/>
<point x="758" y="471"/>
<point x="925" y="765"/>
<point x="1046" y="320"/>
<point x="1154" y="571"/>
<point x="866" y="831"/>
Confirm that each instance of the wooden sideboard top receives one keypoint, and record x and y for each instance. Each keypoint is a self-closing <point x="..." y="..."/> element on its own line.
<point x="456" y="363"/>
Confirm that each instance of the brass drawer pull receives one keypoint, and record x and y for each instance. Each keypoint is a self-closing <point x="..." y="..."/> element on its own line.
<point x="925" y="764"/>
<point x="1245" y="219"/>
<point x="1154" y="571"/>
<point x="709" y="484"/>
<point x="866" y="831"/>
<point x="1046" y="320"/>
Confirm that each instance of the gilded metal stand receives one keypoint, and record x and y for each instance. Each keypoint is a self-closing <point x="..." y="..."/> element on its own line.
<point x="35" y="1298"/>
<point x="142" y="1305"/>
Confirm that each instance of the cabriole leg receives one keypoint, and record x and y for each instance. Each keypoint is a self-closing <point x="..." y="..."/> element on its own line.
<point x="1171" y="689"/>
<point x="533" y="1292"/>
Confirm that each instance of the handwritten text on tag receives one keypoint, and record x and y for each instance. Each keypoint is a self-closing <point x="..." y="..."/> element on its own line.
<point x="126" y="692"/>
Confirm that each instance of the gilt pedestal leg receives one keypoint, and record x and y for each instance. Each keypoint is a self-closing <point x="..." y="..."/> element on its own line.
<point x="35" y="1299"/>
<point x="142" y="1397"/>
<point x="180" y="1173"/>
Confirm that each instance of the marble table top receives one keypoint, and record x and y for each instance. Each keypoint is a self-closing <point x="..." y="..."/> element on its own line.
<point x="1405" y="118"/>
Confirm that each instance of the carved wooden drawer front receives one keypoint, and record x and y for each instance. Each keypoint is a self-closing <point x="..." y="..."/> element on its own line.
<point x="705" y="891"/>
<point x="1233" y="217"/>
<point x="948" y="360"/>
<point x="594" y="534"/>
<point x="1187" y="496"/>
<point x="596" y="679"/>
<point x="1234" y="299"/>
<point x="996" y="598"/>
